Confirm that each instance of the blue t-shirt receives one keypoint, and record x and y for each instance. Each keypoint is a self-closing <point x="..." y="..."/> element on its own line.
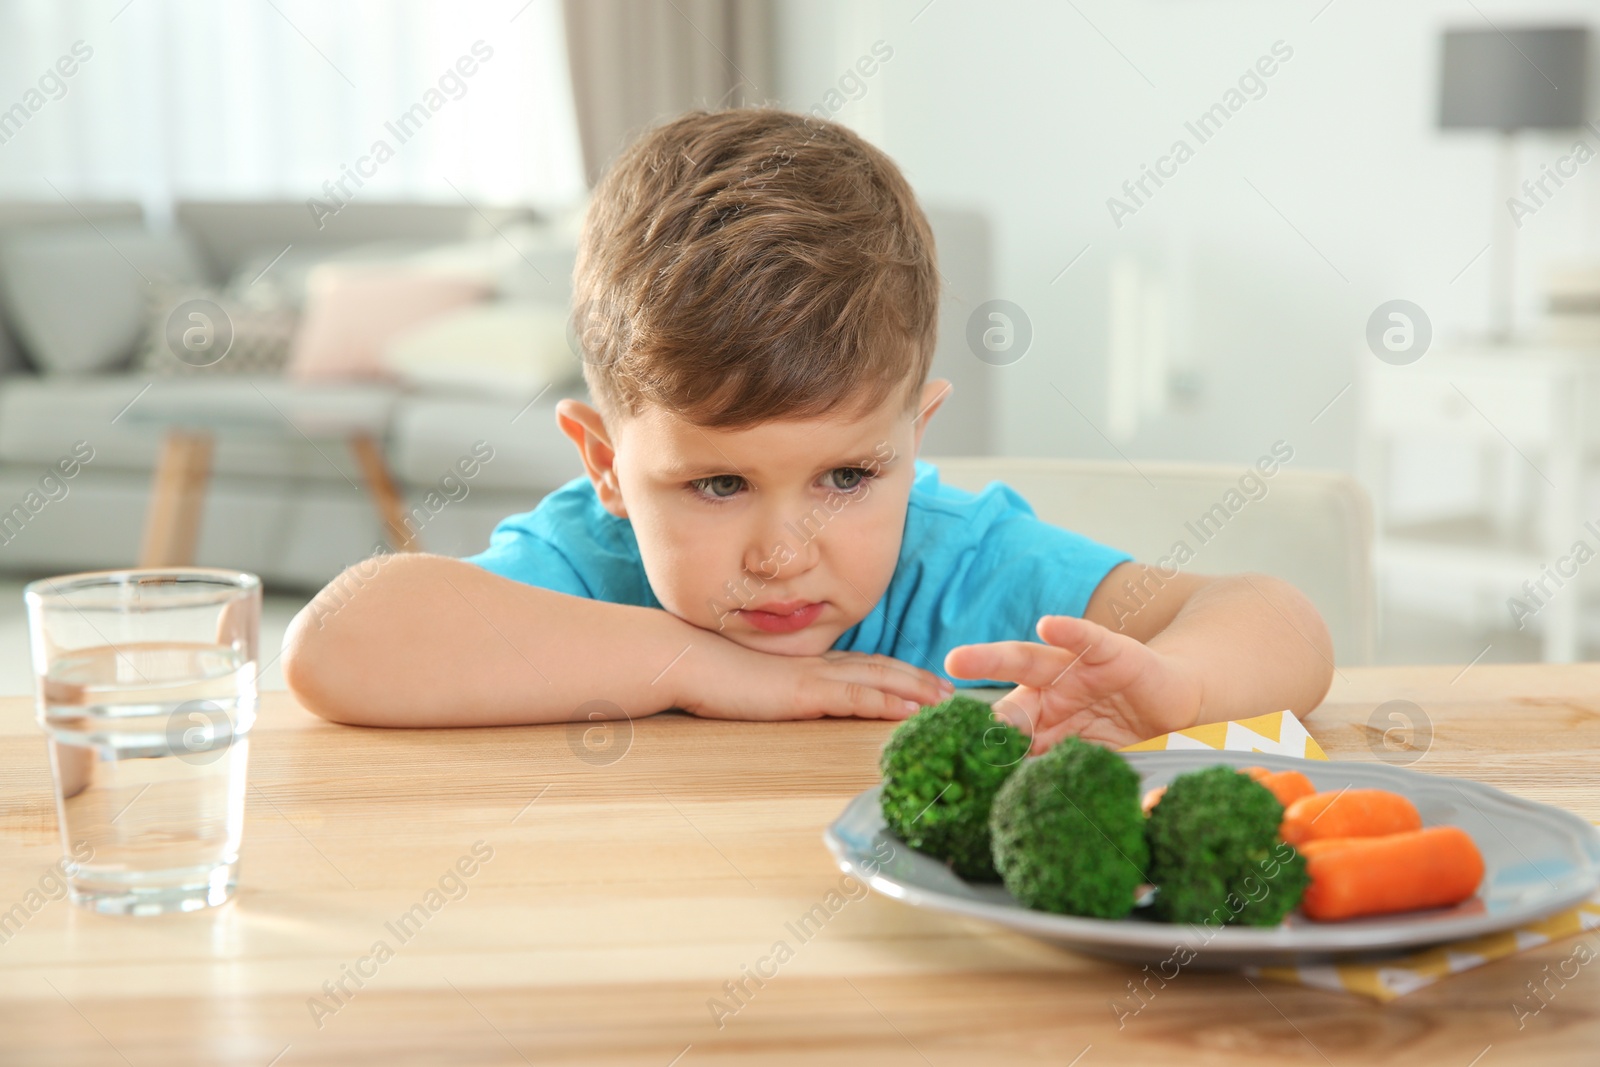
<point x="973" y="567"/>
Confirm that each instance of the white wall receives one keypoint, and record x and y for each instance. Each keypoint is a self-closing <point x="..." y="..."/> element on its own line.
<point x="1028" y="112"/>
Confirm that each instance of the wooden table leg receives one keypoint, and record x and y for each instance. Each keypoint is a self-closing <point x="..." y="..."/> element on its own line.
<point x="385" y="496"/>
<point x="177" y="497"/>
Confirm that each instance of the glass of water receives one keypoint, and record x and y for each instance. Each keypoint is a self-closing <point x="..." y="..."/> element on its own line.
<point x="147" y="690"/>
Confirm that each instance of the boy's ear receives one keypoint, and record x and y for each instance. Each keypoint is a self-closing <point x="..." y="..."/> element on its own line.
<point x="587" y="429"/>
<point x="933" y="394"/>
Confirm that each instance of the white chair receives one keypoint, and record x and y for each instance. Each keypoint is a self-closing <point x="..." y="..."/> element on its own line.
<point x="1312" y="528"/>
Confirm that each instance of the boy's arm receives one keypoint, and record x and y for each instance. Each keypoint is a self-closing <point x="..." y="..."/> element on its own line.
<point x="421" y="640"/>
<point x="1177" y="651"/>
<point x="1256" y="643"/>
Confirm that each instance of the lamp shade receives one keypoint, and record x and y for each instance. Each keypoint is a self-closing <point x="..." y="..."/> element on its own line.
<point x="1529" y="78"/>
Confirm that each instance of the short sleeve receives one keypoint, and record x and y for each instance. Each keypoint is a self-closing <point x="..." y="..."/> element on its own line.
<point x="570" y="543"/>
<point x="526" y="557"/>
<point x="976" y="568"/>
<point x="1025" y="568"/>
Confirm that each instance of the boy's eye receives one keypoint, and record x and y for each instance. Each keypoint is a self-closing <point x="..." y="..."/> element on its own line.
<point x="847" y="479"/>
<point x="720" y="486"/>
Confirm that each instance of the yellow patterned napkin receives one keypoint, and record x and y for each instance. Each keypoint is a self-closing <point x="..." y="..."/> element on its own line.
<point x="1406" y="974"/>
<point x="1283" y="734"/>
<point x="1279" y="733"/>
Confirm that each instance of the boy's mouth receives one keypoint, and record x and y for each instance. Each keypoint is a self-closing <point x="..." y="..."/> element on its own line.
<point x="782" y="618"/>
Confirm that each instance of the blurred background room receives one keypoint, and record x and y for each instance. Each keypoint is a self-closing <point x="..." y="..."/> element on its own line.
<point x="286" y="283"/>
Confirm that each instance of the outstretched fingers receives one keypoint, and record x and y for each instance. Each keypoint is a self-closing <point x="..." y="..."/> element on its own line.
<point x="1021" y="708"/>
<point x="1022" y="662"/>
<point x="1089" y="640"/>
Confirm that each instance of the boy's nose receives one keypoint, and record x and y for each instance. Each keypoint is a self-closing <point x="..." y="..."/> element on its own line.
<point x="781" y="549"/>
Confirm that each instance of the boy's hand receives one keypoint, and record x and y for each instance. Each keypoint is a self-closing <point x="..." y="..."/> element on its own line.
<point x="1087" y="680"/>
<point x="730" y="681"/>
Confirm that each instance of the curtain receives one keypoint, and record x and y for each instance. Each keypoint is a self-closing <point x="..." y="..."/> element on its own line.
<point x="634" y="62"/>
<point x="274" y="98"/>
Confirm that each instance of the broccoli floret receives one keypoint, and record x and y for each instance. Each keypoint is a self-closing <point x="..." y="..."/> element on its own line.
<point x="941" y="770"/>
<point x="1069" y="834"/>
<point x="1215" y="853"/>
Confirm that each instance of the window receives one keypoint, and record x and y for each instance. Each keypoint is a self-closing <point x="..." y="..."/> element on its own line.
<point x="155" y="100"/>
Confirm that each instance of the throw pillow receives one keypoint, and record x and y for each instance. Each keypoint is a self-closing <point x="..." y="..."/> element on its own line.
<point x="76" y="295"/>
<point x="504" y="349"/>
<point x="195" y="330"/>
<point x="352" y="311"/>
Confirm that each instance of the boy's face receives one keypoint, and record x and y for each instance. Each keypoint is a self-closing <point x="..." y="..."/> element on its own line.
<point x="800" y="518"/>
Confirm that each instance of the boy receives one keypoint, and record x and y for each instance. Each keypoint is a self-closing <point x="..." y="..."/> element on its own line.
<point x="754" y="538"/>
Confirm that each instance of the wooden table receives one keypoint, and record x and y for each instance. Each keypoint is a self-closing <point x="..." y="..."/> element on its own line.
<point x="622" y="894"/>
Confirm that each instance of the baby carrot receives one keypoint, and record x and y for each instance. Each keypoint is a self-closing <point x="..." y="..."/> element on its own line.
<point x="1348" y="813"/>
<point x="1288" y="786"/>
<point x="1152" y="798"/>
<point x="1356" y="876"/>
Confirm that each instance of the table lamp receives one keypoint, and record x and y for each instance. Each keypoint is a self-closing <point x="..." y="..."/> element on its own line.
<point x="1510" y="80"/>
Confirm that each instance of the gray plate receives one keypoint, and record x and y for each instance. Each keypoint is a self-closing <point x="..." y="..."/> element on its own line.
<point x="1538" y="860"/>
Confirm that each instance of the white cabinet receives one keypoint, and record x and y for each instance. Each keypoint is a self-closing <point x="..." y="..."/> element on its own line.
<point x="1526" y="415"/>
